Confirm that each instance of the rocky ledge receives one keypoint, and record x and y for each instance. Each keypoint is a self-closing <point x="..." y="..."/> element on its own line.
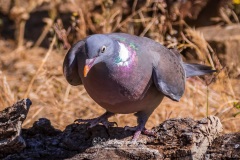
<point x="178" y="138"/>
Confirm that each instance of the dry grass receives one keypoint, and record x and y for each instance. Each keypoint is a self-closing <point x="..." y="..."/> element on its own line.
<point x="37" y="72"/>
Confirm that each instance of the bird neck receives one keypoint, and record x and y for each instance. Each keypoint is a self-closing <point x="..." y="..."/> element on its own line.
<point x="125" y="55"/>
<point x="123" y="63"/>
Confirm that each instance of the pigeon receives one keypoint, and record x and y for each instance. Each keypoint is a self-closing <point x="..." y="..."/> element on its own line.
<point x="126" y="74"/>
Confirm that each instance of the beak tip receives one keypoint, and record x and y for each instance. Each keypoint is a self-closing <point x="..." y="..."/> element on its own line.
<point x="86" y="70"/>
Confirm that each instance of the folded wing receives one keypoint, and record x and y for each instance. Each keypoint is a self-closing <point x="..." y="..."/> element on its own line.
<point x="70" y="64"/>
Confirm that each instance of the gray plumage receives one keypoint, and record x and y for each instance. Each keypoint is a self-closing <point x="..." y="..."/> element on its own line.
<point x="128" y="74"/>
<point x="197" y="69"/>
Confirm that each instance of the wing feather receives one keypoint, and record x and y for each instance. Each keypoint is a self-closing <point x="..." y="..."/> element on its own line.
<point x="70" y="64"/>
<point x="168" y="73"/>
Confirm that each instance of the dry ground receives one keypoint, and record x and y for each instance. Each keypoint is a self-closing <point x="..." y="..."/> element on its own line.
<point x="54" y="99"/>
<point x="37" y="73"/>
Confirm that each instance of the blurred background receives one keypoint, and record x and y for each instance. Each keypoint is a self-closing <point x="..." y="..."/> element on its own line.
<point x="205" y="31"/>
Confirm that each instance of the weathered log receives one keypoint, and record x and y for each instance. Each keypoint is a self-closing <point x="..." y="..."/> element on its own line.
<point x="186" y="138"/>
<point x="225" y="147"/>
<point x="179" y="138"/>
<point x="176" y="139"/>
<point x="11" y="120"/>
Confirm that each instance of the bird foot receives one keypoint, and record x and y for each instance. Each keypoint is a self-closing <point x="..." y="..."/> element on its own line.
<point x="95" y="121"/>
<point x="138" y="130"/>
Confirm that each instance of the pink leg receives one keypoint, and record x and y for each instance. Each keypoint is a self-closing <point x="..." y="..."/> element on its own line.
<point x="95" y="121"/>
<point x="140" y="128"/>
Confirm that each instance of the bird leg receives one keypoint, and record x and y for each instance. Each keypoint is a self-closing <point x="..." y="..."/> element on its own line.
<point x="140" y="128"/>
<point x="101" y="119"/>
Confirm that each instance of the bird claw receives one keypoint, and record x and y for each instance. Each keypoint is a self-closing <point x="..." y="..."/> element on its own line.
<point x="95" y="121"/>
<point x="127" y="128"/>
<point x="149" y="132"/>
<point x="138" y="131"/>
<point x="108" y="124"/>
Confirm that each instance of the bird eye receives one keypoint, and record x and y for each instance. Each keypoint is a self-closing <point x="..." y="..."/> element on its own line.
<point x="103" y="49"/>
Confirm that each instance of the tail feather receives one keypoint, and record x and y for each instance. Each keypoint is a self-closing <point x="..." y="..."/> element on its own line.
<point x="197" y="69"/>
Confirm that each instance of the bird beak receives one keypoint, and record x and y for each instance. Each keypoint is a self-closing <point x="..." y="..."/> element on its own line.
<point x="88" y="66"/>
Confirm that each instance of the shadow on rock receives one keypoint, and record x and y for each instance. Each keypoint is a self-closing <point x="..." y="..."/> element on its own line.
<point x="43" y="140"/>
<point x="176" y="138"/>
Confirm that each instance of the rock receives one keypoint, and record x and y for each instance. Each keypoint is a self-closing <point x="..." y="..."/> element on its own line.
<point x="42" y="126"/>
<point x="225" y="41"/>
<point x="119" y="149"/>
<point x="225" y="147"/>
<point x="177" y="138"/>
<point x="186" y="138"/>
<point x="11" y="120"/>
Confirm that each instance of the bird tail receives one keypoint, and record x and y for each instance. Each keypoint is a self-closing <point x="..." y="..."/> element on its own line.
<point x="197" y="69"/>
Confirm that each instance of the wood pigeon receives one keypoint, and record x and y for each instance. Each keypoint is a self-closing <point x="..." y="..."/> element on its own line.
<point x="126" y="74"/>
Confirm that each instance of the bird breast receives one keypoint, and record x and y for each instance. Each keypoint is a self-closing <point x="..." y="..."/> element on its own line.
<point x="117" y="83"/>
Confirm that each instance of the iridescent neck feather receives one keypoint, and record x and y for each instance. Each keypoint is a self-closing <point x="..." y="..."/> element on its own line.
<point x="126" y="55"/>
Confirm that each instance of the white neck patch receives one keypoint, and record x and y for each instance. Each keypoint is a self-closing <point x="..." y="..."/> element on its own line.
<point x="123" y="52"/>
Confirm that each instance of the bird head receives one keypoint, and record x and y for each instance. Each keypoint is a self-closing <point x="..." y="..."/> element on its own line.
<point x="99" y="48"/>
